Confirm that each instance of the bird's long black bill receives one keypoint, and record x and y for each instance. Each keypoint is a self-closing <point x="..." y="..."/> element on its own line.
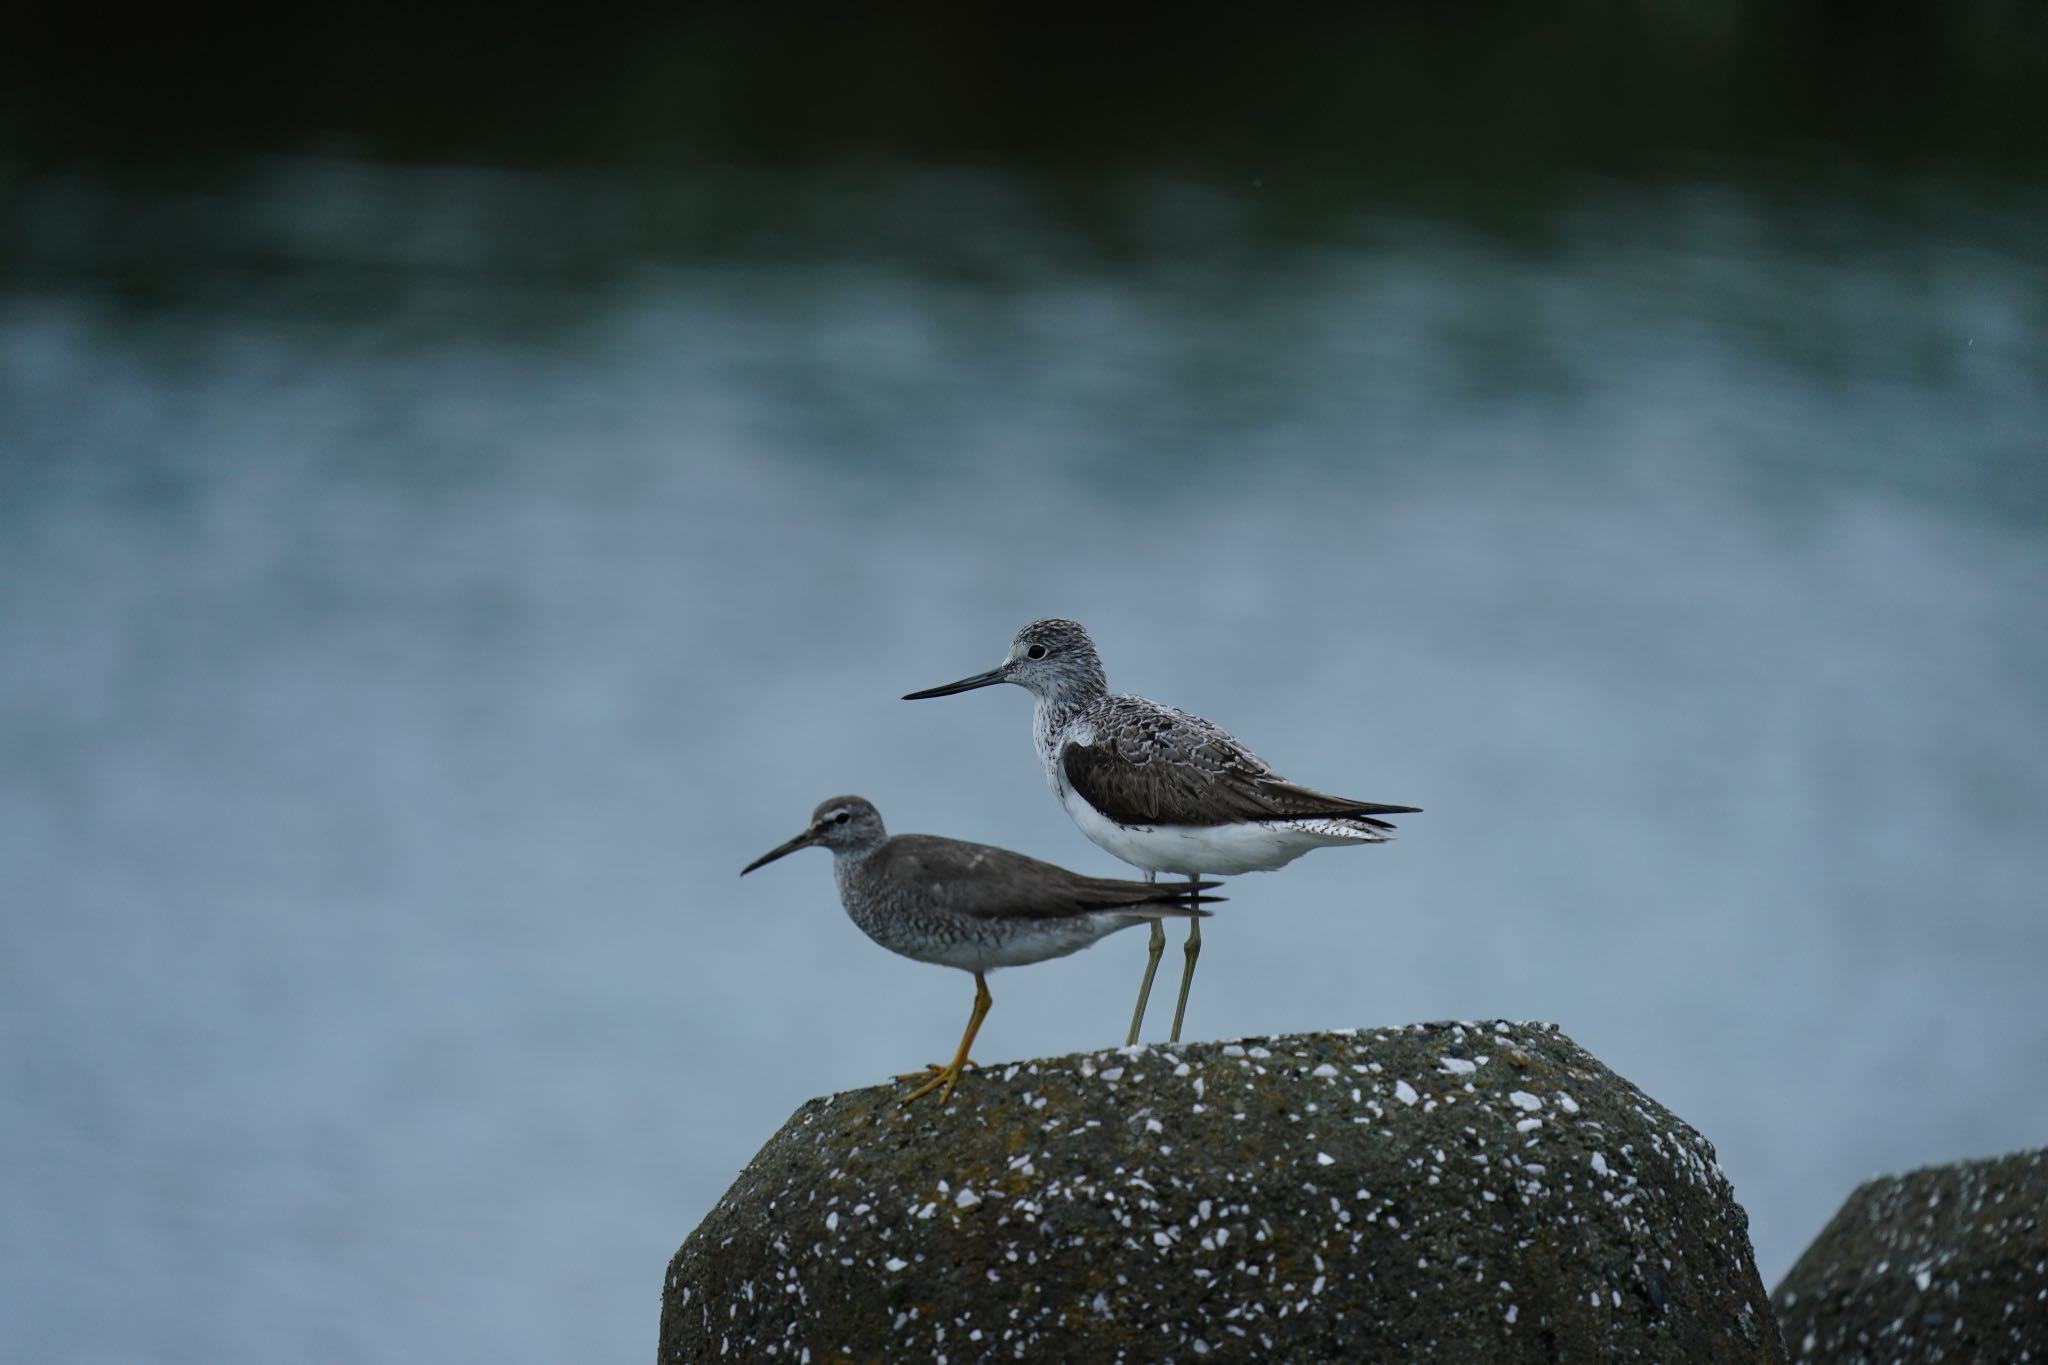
<point x="801" y="841"/>
<point x="988" y="679"/>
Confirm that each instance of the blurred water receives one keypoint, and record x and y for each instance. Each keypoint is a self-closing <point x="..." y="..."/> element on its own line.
<point x="393" y="687"/>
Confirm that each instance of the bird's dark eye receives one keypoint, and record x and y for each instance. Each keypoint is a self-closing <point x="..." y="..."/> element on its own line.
<point x="1035" y="652"/>
<point x="841" y="818"/>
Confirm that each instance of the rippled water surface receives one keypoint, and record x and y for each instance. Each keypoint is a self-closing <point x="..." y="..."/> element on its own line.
<point x="418" y="604"/>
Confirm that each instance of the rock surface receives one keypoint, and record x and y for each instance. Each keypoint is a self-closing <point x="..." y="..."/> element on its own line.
<point x="1451" y="1192"/>
<point x="1948" y="1264"/>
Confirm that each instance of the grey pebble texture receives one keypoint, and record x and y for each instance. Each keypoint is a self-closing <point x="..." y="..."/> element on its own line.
<point x="1452" y="1192"/>
<point x="1944" y="1264"/>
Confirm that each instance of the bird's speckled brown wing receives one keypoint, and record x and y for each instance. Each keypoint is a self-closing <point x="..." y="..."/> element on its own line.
<point x="1154" y="765"/>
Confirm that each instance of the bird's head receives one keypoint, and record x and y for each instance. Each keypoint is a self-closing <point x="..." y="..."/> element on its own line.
<point x="1052" y="657"/>
<point x="844" y="824"/>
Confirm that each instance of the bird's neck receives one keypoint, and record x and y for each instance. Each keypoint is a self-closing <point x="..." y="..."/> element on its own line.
<point x="1050" y="720"/>
<point x="1051" y="724"/>
<point x="863" y="891"/>
<point x="855" y="856"/>
<point x="1074" y="696"/>
<point x="850" y="872"/>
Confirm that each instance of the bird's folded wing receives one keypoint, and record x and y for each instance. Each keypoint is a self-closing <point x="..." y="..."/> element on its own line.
<point x="986" y="882"/>
<point x="1213" y="782"/>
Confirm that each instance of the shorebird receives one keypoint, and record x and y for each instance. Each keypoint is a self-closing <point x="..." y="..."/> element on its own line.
<point x="1161" y="789"/>
<point x="971" y="906"/>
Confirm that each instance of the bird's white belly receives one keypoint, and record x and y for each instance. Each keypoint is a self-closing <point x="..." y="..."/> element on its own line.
<point x="1195" y="849"/>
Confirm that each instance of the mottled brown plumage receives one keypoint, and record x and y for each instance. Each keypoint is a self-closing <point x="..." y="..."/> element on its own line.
<point x="1149" y="764"/>
<point x="1163" y="790"/>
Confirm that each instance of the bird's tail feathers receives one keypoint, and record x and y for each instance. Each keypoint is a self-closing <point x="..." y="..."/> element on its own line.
<point x="1179" y="902"/>
<point x="1181" y="911"/>
<point x="1367" y="812"/>
<point x="1346" y="828"/>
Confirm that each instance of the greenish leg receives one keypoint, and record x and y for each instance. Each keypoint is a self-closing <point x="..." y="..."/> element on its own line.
<point x="1193" y="950"/>
<point x="1152" y="952"/>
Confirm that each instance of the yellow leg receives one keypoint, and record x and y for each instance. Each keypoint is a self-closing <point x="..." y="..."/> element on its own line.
<point x="1153" y="949"/>
<point x="1193" y="950"/>
<point x="949" y="1076"/>
<point x="931" y="1069"/>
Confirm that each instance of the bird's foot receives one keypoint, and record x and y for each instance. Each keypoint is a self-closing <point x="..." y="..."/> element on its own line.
<point x="931" y="1069"/>
<point x="936" y="1077"/>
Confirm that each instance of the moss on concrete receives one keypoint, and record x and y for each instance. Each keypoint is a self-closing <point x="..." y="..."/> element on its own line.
<point x="1944" y="1264"/>
<point x="1458" y="1192"/>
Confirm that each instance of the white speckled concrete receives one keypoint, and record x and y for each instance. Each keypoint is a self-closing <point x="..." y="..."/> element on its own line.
<point x="1484" y="1191"/>
<point x="1947" y="1264"/>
